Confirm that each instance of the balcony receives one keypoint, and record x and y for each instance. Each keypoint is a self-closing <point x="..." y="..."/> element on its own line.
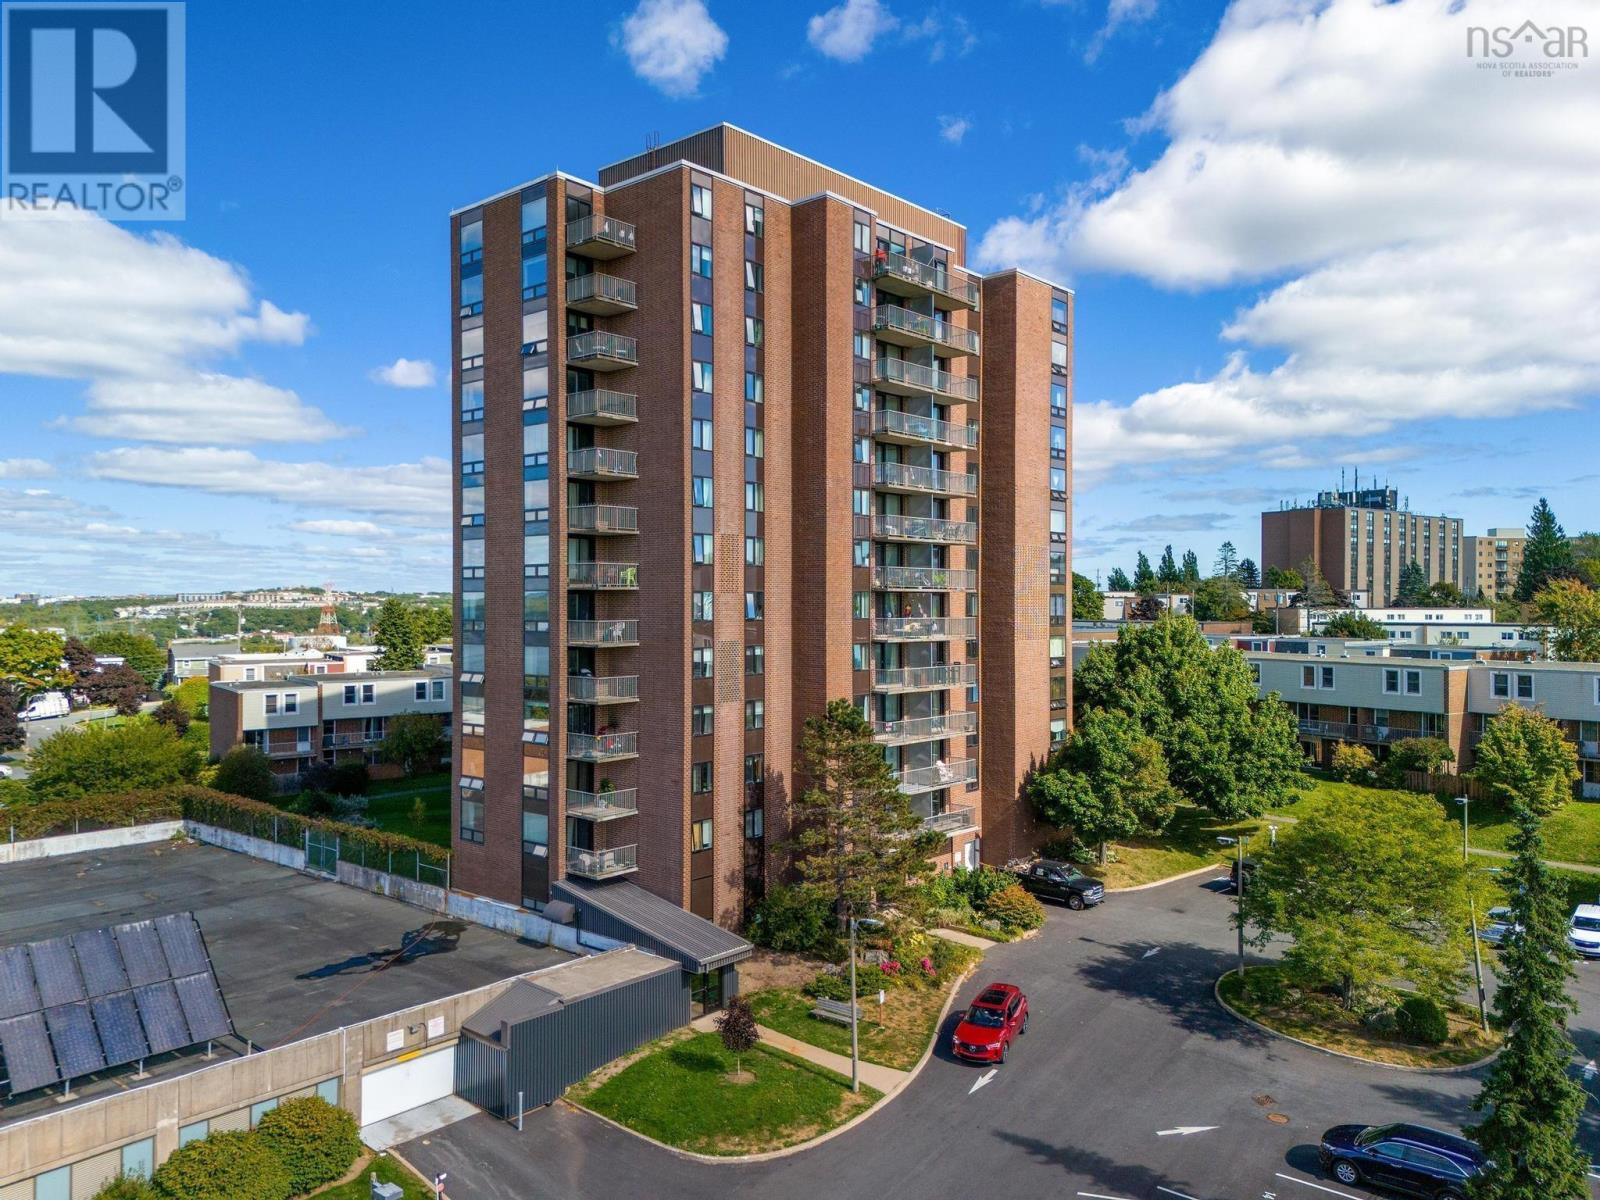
<point x="923" y="629"/>
<point x="600" y="406"/>
<point x="599" y="350"/>
<point x="603" y="634"/>
<point x="603" y="576"/>
<point x="924" y="729"/>
<point x="288" y="749"/>
<point x="916" y="679"/>
<point x="905" y="478"/>
<point x="906" y="328"/>
<point x="897" y="527"/>
<point x="602" y="295"/>
<point x="600" y="237"/>
<point x="602" y="747"/>
<point x="940" y="775"/>
<point x="891" y="425"/>
<point x="603" y="689"/>
<point x="1347" y="732"/>
<point x="922" y="579"/>
<point x="350" y="741"/>
<point x="959" y="819"/>
<point x="602" y="806"/>
<point x="603" y="864"/>
<point x="913" y="379"/>
<point x="602" y="519"/>
<point x="602" y="463"/>
<point x="1589" y="749"/>
<point x="903" y="276"/>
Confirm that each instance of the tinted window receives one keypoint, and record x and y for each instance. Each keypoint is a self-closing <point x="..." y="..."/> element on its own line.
<point x="1390" y="1150"/>
<point x="1432" y="1161"/>
<point x="989" y="1018"/>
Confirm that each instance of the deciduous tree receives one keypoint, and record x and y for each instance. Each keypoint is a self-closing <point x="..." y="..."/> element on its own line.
<point x="1353" y="625"/>
<point x="1571" y="612"/>
<point x="101" y="757"/>
<point x="138" y="650"/>
<point x="12" y="736"/>
<point x="1525" y="762"/>
<point x="30" y="660"/>
<point x="1219" y="599"/>
<point x="395" y="629"/>
<point x="1108" y="781"/>
<point x="1087" y="602"/>
<point x="244" y="771"/>
<point x="738" y="1031"/>
<point x="413" y="741"/>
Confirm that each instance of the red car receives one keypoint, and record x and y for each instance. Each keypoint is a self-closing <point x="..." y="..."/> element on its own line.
<point x="991" y="1024"/>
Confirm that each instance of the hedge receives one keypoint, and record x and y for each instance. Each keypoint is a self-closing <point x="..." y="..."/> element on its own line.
<point x="226" y="1165"/>
<point x="104" y="811"/>
<point x="315" y="1141"/>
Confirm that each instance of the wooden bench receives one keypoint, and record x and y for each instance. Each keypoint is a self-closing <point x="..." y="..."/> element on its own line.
<point x="835" y="1010"/>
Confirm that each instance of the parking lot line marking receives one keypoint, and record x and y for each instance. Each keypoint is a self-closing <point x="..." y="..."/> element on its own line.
<point x="1173" y="1192"/>
<point x="1098" y="1196"/>
<point x="1318" y="1186"/>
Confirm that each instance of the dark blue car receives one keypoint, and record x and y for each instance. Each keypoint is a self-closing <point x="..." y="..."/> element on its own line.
<point x="1412" y="1160"/>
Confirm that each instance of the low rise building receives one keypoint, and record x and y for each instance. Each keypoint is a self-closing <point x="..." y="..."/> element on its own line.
<point x="190" y="659"/>
<point x="249" y="668"/>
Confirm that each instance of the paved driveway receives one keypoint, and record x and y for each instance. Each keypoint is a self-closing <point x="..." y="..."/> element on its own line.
<point x="1125" y="1043"/>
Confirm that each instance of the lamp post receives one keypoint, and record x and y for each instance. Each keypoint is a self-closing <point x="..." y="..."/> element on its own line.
<point x="1472" y="908"/>
<point x="1238" y="892"/>
<point x="855" y="1053"/>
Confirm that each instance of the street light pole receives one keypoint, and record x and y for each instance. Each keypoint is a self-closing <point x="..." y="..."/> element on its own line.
<point x="1239" y="906"/>
<point x="855" y="1058"/>
<point x="1472" y="908"/>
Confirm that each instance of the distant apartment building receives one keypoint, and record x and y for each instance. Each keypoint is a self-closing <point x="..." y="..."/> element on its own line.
<point x="738" y="435"/>
<point x="1361" y="540"/>
<point x="250" y="668"/>
<point x="1491" y="562"/>
<point x="299" y="720"/>
<point x="189" y="659"/>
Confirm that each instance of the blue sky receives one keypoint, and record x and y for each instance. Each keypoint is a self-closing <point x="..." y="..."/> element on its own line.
<point x="1302" y="236"/>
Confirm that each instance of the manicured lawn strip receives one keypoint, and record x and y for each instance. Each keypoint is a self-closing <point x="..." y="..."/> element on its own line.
<point x="1318" y="1019"/>
<point x="388" y="1171"/>
<point x="389" y="803"/>
<point x="908" y="1018"/>
<point x="678" y="1093"/>
<point x="1189" y="843"/>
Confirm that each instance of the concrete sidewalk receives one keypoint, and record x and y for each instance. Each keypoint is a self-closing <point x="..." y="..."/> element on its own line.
<point x="885" y="1079"/>
<point x="964" y="938"/>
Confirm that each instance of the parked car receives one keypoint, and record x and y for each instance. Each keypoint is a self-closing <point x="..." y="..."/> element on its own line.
<point x="1051" y="880"/>
<point x="991" y="1023"/>
<point x="1498" y="926"/>
<point x="47" y="704"/>
<point x="1583" y="932"/>
<point x="1249" y="864"/>
<point x="5" y="771"/>
<point x="1411" y="1160"/>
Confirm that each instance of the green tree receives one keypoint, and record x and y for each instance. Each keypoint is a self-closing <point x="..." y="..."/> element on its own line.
<point x="99" y="757"/>
<point x="1247" y="574"/>
<point x="1285" y="578"/>
<point x="1144" y="579"/>
<point x="1226" y="750"/>
<point x="194" y="697"/>
<point x="1444" y="594"/>
<point x="1507" y="610"/>
<point x="139" y="650"/>
<point x="1318" y="592"/>
<point x="1571" y="613"/>
<point x="1168" y="573"/>
<point x="1190" y="571"/>
<point x="314" y="1140"/>
<point x="1532" y="1105"/>
<point x="434" y="624"/>
<point x="1227" y="564"/>
<point x="1370" y="889"/>
<point x="30" y="660"/>
<point x="1087" y="602"/>
<point x="1525" y="762"/>
<point x="226" y="1165"/>
<point x="170" y="712"/>
<point x="1117" y="580"/>
<point x="856" y="840"/>
<point x="1546" y="555"/>
<point x="1220" y="599"/>
<point x="12" y="736"/>
<point x="1108" y="781"/>
<point x="1425" y="754"/>
<point x="1353" y="762"/>
<point x="395" y="629"/>
<point x="244" y="771"/>
<point x="413" y="741"/>
<point x="1353" y="625"/>
<point x="1411" y="587"/>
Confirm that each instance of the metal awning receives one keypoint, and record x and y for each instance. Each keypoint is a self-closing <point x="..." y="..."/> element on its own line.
<point x="622" y="909"/>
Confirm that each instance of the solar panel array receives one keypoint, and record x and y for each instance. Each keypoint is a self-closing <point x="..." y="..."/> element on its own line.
<point x="70" y="1006"/>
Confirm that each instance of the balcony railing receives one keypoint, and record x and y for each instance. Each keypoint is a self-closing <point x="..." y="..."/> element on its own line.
<point x="601" y="294"/>
<point x="603" y="518"/>
<point x="345" y="741"/>
<point x="923" y="629"/>
<point x="603" y="633"/>
<point x="602" y="747"/>
<point x="603" y="576"/>
<point x="896" y="527"/>
<point x="954" y="820"/>
<point x="897" y="273"/>
<point x="601" y="406"/>
<point x="893" y="425"/>
<point x="601" y="462"/>
<point x="601" y="350"/>
<point x="595" y="236"/>
<point x="939" y="775"/>
<point x="895" y="324"/>
<point x="923" y="579"/>
<point x="1588" y="749"/>
<point x="909" y="378"/>
<point x="1348" y="732"/>
<point x="603" y="689"/>
<point x="288" y="749"/>
<point x="602" y="806"/>
<point x="905" y="477"/>
<point x="911" y="679"/>
<point x="600" y="864"/>
<point x="925" y="729"/>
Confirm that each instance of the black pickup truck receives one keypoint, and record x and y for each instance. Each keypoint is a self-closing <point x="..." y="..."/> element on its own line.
<point x="1051" y="880"/>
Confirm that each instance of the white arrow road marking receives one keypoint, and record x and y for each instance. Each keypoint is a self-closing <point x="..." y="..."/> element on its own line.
<point x="1173" y="1192"/>
<point x="1186" y="1130"/>
<point x="982" y="1079"/>
<point x="1152" y="952"/>
<point x="1318" y="1186"/>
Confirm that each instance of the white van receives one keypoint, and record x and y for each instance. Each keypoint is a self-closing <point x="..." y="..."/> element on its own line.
<point x="46" y="704"/>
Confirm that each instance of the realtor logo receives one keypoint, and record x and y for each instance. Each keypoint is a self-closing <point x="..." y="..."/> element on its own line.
<point x="93" y="112"/>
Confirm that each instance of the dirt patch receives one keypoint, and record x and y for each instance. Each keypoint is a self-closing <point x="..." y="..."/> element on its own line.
<point x="588" y="1084"/>
<point x="769" y="969"/>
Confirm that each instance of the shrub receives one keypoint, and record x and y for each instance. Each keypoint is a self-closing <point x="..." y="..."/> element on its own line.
<point x="350" y="778"/>
<point x="244" y="771"/>
<point x="1353" y="763"/>
<point x="1266" y="987"/>
<point x="227" y="1165"/>
<point x="316" y="1141"/>
<point x="793" y="920"/>
<point x="1428" y="755"/>
<point x="1422" y="1020"/>
<point x="1014" y="908"/>
<point x="981" y="883"/>
<point x="1061" y="847"/>
<point x="870" y="978"/>
<point x="128" y="1187"/>
<point x="828" y="986"/>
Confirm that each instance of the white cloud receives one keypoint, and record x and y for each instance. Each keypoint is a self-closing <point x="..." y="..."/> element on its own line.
<point x="1118" y="14"/>
<point x="225" y="409"/>
<point x="945" y="33"/>
<point x="847" y="31"/>
<point x="406" y="373"/>
<point x="1425" y="228"/>
<point x="953" y="129"/>
<point x="338" y="528"/>
<point x="25" y="468"/>
<point x="672" y="44"/>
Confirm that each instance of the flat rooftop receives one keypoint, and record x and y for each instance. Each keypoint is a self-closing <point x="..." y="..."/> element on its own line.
<point x="294" y="955"/>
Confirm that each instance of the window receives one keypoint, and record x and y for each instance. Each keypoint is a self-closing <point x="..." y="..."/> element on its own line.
<point x="421" y="690"/>
<point x="700" y="663"/>
<point x="859" y="656"/>
<point x="700" y="375"/>
<point x="472" y="242"/>
<point x="754" y="605"/>
<point x="139" y="1158"/>
<point x="754" y="822"/>
<point x="257" y="1111"/>
<point x="700" y="778"/>
<point x="754" y="331"/>
<point x="755" y="220"/>
<point x="536" y="332"/>
<point x="193" y="1132"/>
<point x="863" y="238"/>
<point x="1500" y="685"/>
<point x="864" y="399"/>
<point x="1308" y="677"/>
<point x="369" y="693"/>
<point x="471" y="820"/>
<point x="863" y="553"/>
<point x="755" y="551"/>
<point x="1058" y="314"/>
<point x="291" y="702"/>
<point x="1413" y="683"/>
<point x="701" y="485"/>
<point x="701" y="544"/>
<point x="755" y="498"/>
<point x="1058" y="399"/>
<point x="1391" y="680"/>
<point x="700" y="838"/>
<point x="535" y="274"/>
<point x="535" y="387"/>
<point x="863" y="345"/>
<point x="272" y="703"/>
<point x="700" y="317"/>
<point x="1255" y="673"/>
<point x="1524" y="687"/>
<point x="755" y="714"/>
<point x="471" y="295"/>
<point x="700" y="433"/>
<point x="1058" y="442"/>
<point x="1058" y="479"/>
<point x="472" y="400"/>
<point x="863" y="292"/>
<point x="755" y="276"/>
<point x="755" y="390"/>
<point x="438" y="689"/>
<point x="700" y="606"/>
<point x="1058" y="357"/>
<point x="755" y="442"/>
<point x="861" y="605"/>
<point x="700" y="201"/>
<point x="471" y="348"/>
<point x="349" y="693"/>
<point x="755" y="660"/>
<point x="1327" y="677"/>
<point x="700" y="719"/>
<point x="700" y="259"/>
<point x="53" y="1185"/>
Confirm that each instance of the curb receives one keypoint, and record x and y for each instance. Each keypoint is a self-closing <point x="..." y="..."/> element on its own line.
<point x="1465" y="1068"/>
<point x="769" y="1155"/>
<point x="1145" y="887"/>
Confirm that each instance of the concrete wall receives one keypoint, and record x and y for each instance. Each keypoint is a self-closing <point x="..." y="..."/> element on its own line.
<point x="80" y="843"/>
<point x="285" y="856"/>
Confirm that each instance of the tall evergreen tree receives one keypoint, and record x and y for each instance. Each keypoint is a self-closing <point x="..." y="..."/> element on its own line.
<point x="1412" y="586"/>
<point x="395" y="629"/>
<point x="1144" y="579"/>
<point x="1191" y="568"/>
<point x="1227" y="564"/>
<point x="1547" y="555"/>
<point x="1117" y="580"/>
<point x="1317" y="591"/>
<point x="1247" y="573"/>
<point x="1167" y="574"/>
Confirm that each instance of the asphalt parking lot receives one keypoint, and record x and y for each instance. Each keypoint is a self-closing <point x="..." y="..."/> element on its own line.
<point x="1131" y="1084"/>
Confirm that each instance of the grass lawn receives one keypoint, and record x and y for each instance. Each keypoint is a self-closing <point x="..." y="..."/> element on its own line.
<point x="678" y="1092"/>
<point x="388" y="1171"/>
<point x="1190" y="842"/>
<point x="389" y="803"/>
<point x="1318" y="1019"/>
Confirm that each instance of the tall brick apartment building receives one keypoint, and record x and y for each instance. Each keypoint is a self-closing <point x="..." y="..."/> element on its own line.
<point x="739" y="435"/>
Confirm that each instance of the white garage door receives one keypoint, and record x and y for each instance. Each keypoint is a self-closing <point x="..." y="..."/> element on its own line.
<point x="407" y="1085"/>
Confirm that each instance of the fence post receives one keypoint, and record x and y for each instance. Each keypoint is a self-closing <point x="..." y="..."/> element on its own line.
<point x="417" y="874"/>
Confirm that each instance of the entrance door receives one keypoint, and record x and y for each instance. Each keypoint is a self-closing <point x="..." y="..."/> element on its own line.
<point x="705" y="992"/>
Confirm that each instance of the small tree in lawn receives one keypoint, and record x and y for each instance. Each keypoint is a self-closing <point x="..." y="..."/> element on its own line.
<point x="1353" y="762"/>
<point x="737" y="1029"/>
<point x="1429" y="755"/>
<point x="1525" y="762"/>
<point x="412" y="741"/>
<point x="1108" y="781"/>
